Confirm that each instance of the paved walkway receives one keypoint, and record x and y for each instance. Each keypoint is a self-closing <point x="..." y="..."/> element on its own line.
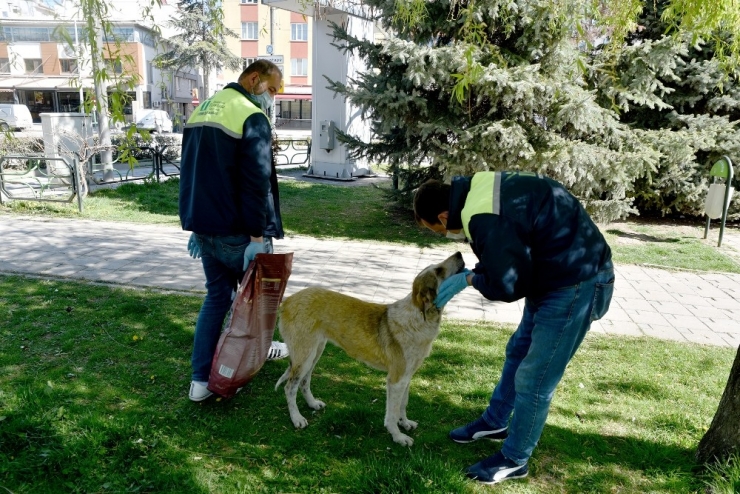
<point x="672" y="305"/>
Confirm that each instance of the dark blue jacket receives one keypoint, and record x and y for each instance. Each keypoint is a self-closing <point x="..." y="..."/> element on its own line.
<point x="226" y="168"/>
<point x="541" y="239"/>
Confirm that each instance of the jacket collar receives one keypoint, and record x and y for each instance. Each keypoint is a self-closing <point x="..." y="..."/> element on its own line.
<point x="238" y="87"/>
<point x="458" y="195"/>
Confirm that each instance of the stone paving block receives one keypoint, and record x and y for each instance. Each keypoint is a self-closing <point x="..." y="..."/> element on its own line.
<point x="616" y="314"/>
<point x="647" y="317"/>
<point x="731" y="340"/>
<point x="27" y="267"/>
<point x="507" y="317"/>
<point x="686" y="322"/>
<point x="663" y="332"/>
<point x="731" y="326"/>
<point x="631" y="273"/>
<point x="706" y="337"/>
<point x="634" y="304"/>
<point x="725" y="303"/>
<point x="709" y="312"/>
<point x="626" y="328"/>
<point x="597" y="327"/>
<point x="469" y="314"/>
<point x="674" y="308"/>
<point x="693" y="299"/>
<point x="658" y="296"/>
<point x="628" y="293"/>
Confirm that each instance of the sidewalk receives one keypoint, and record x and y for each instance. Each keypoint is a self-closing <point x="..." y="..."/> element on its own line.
<point x="671" y="305"/>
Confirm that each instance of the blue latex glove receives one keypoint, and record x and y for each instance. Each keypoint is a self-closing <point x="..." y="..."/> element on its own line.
<point x="451" y="287"/>
<point x="251" y="251"/>
<point x="193" y="247"/>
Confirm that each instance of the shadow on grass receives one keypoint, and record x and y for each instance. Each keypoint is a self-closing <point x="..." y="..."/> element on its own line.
<point x="94" y="399"/>
<point x="642" y="237"/>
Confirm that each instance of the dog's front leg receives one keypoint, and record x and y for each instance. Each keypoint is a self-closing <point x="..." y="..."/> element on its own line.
<point x="393" y="401"/>
<point x="403" y="420"/>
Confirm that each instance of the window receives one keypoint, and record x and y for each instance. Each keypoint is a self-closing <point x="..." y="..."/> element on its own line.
<point x="299" y="66"/>
<point x="4" y="66"/>
<point x="33" y="65"/>
<point x="113" y="66"/>
<point x="69" y="65"/>
<point x="121" y="34"/>
<point x="249" y="1"/>
<point x="299" y="32"/>
<point x="246" y="62"/>
<point x="249" y="30"/>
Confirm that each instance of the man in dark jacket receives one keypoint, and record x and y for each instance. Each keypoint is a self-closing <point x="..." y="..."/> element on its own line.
<point x="533" y="240"/>
<point x="229" y="200"/>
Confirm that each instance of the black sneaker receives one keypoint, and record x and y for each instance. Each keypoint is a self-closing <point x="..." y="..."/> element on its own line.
<point x="495" y="469"/>
<point x="477" y="429"/>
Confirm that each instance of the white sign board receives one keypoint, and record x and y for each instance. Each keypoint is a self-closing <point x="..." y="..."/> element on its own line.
<point x="276" y="59"/>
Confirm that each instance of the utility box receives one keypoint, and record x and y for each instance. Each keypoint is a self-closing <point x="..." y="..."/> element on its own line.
<point x="326" y="135"/>
<point x="64" y="135"/>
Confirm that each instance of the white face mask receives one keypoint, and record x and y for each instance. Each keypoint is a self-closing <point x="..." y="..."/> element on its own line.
<point x="456" y="236"/>
<point x="265" y="101"/>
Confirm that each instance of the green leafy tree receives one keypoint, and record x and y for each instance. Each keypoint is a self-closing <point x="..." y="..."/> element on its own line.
<point x="111" y="87"/>
<point x="201" y="40"/>
<point x="677" y="90"/>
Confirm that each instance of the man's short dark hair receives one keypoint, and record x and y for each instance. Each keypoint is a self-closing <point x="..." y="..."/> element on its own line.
<point x="431" y="198"/>
<point x="263" y="67"/>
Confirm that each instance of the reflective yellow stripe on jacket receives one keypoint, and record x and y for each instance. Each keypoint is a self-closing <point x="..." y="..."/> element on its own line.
<point x="484" y="197"/>
<point x="226" y="110"/>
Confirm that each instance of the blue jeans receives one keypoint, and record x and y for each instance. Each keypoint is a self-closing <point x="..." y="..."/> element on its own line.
<point x="552" y="327"/>
<point x="223" y="258"/>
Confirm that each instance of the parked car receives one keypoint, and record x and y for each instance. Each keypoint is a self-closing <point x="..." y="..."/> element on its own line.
<point x="154" y="121"/>
<point x="15" y="117"/>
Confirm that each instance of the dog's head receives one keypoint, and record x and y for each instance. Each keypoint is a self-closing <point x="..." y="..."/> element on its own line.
<point x="426" y="283"/>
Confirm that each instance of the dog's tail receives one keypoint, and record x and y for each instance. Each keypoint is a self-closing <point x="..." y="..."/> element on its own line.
<point x="284" y="377"/>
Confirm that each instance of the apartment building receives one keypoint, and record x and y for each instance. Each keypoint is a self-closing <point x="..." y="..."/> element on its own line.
<point x="283" y="37"/>
<point x="39" y="67"/>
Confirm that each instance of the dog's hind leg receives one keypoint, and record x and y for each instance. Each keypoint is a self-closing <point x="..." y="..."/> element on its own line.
<point x="403" y="420"/>
<point x="291" y="391"/>
<point x="394" y="398"/>
<point x="306" y="382"/>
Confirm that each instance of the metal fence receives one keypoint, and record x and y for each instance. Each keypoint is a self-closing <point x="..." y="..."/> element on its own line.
<point x="294" y="152"/>
<point x="39" y="178"/>
<point x="35" y="177"/>
<point x="151" y="163"/>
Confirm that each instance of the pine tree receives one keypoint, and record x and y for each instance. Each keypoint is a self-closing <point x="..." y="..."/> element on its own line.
<point x="491" y="85"/>
<point x="686" y="103"/>
<point x="201" y="41"/>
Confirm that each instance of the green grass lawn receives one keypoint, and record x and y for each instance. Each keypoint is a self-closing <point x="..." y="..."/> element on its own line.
<point x="93" y="398"/>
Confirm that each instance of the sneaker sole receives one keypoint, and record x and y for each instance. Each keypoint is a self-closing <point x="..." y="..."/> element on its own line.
<point x="463" y="441"/>
<point x="198" y="400"/>
<point x="492" y="482"/>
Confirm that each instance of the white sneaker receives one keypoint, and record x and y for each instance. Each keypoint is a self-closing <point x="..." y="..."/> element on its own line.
<point x="277" y="351"/>
<point x="199" y="391"/>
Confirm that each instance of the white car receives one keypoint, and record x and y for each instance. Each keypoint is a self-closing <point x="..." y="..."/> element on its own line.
<point x="154" y="121"/>
<point x="15" y="117"/>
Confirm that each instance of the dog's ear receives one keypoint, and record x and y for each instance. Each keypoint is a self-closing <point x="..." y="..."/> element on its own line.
<point x="424" y="292"/>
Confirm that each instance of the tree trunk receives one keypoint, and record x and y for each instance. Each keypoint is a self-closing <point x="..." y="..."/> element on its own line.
<point x="723" y="437"/>
<point x="101" y="97"/>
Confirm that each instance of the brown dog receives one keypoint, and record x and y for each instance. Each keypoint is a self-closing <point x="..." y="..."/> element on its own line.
<point x="395" y="338"/>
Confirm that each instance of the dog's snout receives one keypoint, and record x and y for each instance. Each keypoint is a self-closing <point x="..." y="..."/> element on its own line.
<point x="460" y="263"/>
